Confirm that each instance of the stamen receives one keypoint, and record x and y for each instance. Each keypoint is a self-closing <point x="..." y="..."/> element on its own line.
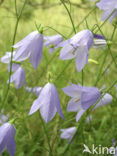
<point x="76" y="100"/>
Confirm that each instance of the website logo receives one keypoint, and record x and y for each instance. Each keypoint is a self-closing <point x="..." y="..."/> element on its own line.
<point x="99" y="150"/>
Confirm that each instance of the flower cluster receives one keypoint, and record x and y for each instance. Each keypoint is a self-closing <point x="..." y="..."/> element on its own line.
<point x="82" y="97"/>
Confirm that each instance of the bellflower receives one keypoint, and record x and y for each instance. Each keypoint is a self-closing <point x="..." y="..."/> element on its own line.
<point x="77" y="47"/>
<point x="109" y="7"/>
<point x="30" y="47"/>
<point x="14" y="67"/>
<point x="99" y="41"/>
<point x="7" y="134"/>
<point x="82" y="98"/>
<point x="106" y="99"/>
<point x="7" y="57"/>
<point x="68" y="133"/>
<point x="53" y="41"/>
<point x="113" y="149"/>
<point x="35" y="90"/>
<point x="18" y="77"/>
<point x="48" y="103"/>
<point x="3" y="117"/>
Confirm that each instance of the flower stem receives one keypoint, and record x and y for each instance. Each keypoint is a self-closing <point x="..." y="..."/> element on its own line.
<point x="46" y="134"/>
<point x="83" y="20"/>
<point x="104" y="60"/>
<point x="13" y="42"/>
<point x="69" y="15"/>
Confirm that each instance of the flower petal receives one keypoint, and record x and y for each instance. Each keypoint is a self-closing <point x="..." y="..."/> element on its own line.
<point x="73" y="91"/>
<point x="48" y="102"/>
<point x="89" y="96"/>
<point x="81" y="58"/>
<point x="67" y="52"/>
<point x="35" y="106"/>
<point x="107" y="98"/>
<point x="74" y="105"/>
<point x="11" y="144"/>
<point x="79" y="114"/>
<point x="36" y="51"/>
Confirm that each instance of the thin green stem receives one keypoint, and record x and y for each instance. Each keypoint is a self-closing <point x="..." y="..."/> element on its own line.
<point x="113" y="33"/>
<point x="66" y="66"/>
<point x="46" y="134"/>
<point x="56" y="31"/>
<point x="13" y="42"/>
<point x="106" y="68"/>
<point x="100" y="71"/>
<point x="69" y="15"/>
<point x="104" y="60"/>
<point x="83" y="20"/>
<point x="105" y="20"/>
<point x="112" y="56"/>
<point x="74" y="32"/>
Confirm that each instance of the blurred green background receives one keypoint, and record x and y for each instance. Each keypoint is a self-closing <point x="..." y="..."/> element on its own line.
<point x="30" y="138"/>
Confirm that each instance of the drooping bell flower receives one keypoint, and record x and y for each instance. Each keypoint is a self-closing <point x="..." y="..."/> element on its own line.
<point x="3" y="117"/>
<point x="68" y="133"/>
<point x="82" y="98"/>
<point x="7" y="135"/>
<point x="14" y="67"/>
<point x="7" y="57"/>
<point x="18" y="77"/>
<point x="30" y="47"/>
<point x="77" y="47"/>
<point x="53" y="42"/>
<point x="35" y="90"/>
<point x="99" y="42"/>
<point x="109" y="7"/>
<point x="106" y="99"/>
<point x="48" y="103"/>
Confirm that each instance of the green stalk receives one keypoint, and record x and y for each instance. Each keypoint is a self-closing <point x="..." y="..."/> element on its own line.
<point x="83" y="20"/>
<point x="13" y="42"/>
<point x="69" y="15"/>
<point x="100" y="71"/>
<point x="46" y="134"/>
<point x="104" y="60"/>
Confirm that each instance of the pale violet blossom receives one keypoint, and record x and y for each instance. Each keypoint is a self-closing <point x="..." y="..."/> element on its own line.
<point x="109" y="7"/>
<point x="68" y="133"/>
<point x="30" y="47"/>
<point x="48" y="103"/>
<point x="3" y="117"/>
<point x="7" y="57"/>
<point x="77" y="47"/>
<point x="35" y="90"/>
<point x="18" y="77"/>
<point x="99" y="42"/>
<point x="53" y="42"/>
<point x="14" y="67"/>
<point x="82" y="98"/>
<point x="106" y="99"/>
<point x="7" y="139"/>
